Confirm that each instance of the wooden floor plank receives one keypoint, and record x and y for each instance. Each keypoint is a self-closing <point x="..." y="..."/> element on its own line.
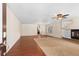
<point x="26" y="46"/>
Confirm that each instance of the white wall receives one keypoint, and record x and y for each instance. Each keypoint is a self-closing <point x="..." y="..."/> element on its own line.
<point x="49" y="29"/>
<point x="54" y="29"/>
<point x="31" y="29"/>
<point x="0" y="23"/>
<point x="75" y="23"/>
<point x="28" y="29"/>
<point x="13" y="29"/>
<point x="42" y="29"/>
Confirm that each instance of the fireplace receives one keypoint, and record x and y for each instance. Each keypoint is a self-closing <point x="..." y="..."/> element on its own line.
<point x="75" y="33"/>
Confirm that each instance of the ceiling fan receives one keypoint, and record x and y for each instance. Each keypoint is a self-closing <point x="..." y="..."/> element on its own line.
<point x="60" y="16"/>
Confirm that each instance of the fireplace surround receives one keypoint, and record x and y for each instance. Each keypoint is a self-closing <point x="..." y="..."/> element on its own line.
<point x="75" y="33"/>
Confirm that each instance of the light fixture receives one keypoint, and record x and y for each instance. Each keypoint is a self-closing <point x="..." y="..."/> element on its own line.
<point x="60" y="16"/>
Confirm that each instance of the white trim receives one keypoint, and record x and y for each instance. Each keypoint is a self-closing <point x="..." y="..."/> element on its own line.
<point x="8" y="49"/>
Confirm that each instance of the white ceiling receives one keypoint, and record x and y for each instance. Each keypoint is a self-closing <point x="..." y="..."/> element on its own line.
<point x="29" y="13"/>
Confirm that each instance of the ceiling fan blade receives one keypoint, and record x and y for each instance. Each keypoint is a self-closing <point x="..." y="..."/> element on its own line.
<point x="66" y="15"/>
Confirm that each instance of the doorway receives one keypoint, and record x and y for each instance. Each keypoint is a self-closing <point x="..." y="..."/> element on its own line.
<point x="3" y="42"/>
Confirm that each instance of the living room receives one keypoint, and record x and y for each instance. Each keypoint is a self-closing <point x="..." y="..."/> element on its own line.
<point x="56" y="23"/>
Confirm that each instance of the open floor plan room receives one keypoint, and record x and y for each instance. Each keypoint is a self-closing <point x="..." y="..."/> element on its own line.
<point x="39" y="29"/>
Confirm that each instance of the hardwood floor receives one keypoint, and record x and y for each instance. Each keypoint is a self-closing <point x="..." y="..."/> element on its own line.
<point x="26" y="46"/>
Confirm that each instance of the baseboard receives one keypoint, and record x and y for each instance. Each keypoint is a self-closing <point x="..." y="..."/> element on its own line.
<point x="49" y="36"/>
<point x="66" y="38"/>
<point x="55" y="37"/>
<point x="12" y="45"/>
<point x="32" y="35"/>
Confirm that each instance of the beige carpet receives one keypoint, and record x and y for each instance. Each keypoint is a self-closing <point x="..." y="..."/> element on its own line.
<point x="58" y="47"/>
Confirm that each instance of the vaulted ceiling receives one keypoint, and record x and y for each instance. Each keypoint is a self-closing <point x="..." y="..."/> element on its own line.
<point x="42" y="12"/>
